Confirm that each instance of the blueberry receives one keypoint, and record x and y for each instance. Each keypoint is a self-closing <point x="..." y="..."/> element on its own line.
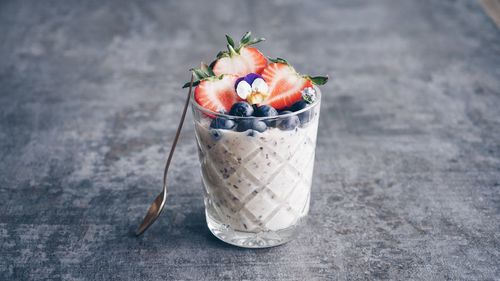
<point x="251" y="124"/>
<point x="222" y="123"/>
<point x="304" y="116"/>
<point x="259" y="126"/>
<point x="266" y="111"/>
<point x="283" y="112"/>
<point x="244" y="124"/>
<point x="216" y="134"/>
<point x="288" y="123"/>
<point x="241" y="108"/>
<point x="298" y="105"/>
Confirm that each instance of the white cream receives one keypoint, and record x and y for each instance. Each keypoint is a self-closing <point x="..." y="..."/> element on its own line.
<point x="260" y="182"/>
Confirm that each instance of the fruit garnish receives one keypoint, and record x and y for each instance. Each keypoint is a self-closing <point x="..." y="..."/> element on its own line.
<point x="243" y="73"/>
<point x="242" y="59"/>
<point x="241" y="109"/>
<point x="286" y="84"/>
<point x="301" y="104"/>
<point x="303" y="116"/>
<point x="202" y="73"/>
<point x="216" y="134"/>
<point x="251" y="124"/>
<point x="309" y="95"/>
<point x="216" y="93"/>
<point x="288" y="123"/>
<point x="222" y="123"/>
<point x="266" y="111"/>
<point x="252" y="87"/>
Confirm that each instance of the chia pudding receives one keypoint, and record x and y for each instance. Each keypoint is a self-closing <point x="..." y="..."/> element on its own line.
<point x="256" y="120"/>
<point x="257" y="181"/>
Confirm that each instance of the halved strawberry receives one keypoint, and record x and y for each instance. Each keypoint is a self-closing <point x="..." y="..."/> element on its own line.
<point x="285" y="85"/>
<point x="242" y="59"/>
<point x="249" y="60"/>
<point x="217" y="93"/>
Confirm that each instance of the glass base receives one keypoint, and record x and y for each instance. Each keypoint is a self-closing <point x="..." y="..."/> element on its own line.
<point x="264" y="239"/>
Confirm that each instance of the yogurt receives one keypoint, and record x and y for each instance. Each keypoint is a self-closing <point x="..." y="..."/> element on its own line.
<point x="255" y="181"/>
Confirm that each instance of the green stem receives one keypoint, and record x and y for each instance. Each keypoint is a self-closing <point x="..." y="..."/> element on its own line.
<point x="232" y="52"/>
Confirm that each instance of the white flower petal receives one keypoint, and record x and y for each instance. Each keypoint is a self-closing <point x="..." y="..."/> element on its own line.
<point x="260" y="86"/>
<point x="243" y="89"/>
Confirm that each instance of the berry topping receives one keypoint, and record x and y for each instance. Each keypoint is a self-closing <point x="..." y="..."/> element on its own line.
<point x="301" y="104"/>
<point x="242" y="59"/>
<point x="265" y="111"/>
<point x="241" y="109"/>
<point x="285" y="84"/>
<point x="251" y="124"/>
<point x="259" y="126"/>
<point x="222" y="123"/>
<point x="216" y="134"/>
<point x="241" y="82"/>
<point x="252" y="88"/>
<point x="216" y="94"/>
<point x="289" y="123"/>
<point x="309" y="95"/>
<point x="303" y="116"/>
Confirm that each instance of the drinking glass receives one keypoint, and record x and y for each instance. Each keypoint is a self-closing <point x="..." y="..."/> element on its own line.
<point x="257" y="185"/>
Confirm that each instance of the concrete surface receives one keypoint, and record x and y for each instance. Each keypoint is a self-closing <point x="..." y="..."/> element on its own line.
<point x="407" y="179"/>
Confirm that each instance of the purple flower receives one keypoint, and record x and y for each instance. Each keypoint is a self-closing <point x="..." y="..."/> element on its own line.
<point x="249" y="79"/>
<point x="252" y="87"/>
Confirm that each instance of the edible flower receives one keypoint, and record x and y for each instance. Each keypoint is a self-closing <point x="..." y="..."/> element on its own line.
<point x="252" y="88"/>
<point x="308" y="94"/>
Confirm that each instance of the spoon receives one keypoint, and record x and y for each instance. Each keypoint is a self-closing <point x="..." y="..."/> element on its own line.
<point x="158" y="204"/>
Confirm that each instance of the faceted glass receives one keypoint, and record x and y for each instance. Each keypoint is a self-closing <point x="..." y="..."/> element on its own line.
<point x="257" y="185"/>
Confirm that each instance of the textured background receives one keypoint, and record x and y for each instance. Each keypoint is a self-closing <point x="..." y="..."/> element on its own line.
<point x="407" y="178"/>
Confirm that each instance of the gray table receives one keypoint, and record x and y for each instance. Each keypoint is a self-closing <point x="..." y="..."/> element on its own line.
<point x="407" y="178"/>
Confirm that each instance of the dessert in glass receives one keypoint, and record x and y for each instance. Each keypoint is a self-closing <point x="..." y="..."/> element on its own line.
<point x="256" y="123"/>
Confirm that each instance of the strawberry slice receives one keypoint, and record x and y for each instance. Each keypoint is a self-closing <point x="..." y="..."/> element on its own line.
<point x="285" y="85"/>
<point x="240" y="59"/>
<point x="217" y="93"/>
<point x="248" y="60"/>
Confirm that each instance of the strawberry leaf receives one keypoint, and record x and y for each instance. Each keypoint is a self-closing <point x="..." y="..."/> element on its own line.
<point x="207" y="69"/>
<point x="278" y="60"/>
<point x="199" y="74"/>
<point x="222" y="54"/>
<point x="203" y="73"/>
<point x="318" y="80"/>
<point x="195" y="83"/>
<point x="246" y="38"/>
<point x="255" y="41"/>
<point x="212" y="64"/>
<point x="232" y="51"/>
<point x="230" y="40"/>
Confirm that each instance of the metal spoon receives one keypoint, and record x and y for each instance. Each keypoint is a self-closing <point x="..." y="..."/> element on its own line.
<point x="158" y="204"/>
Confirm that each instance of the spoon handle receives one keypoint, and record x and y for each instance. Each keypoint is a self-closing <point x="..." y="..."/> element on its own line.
<point x="157" y="206"/>
<point x="177" y="134"/>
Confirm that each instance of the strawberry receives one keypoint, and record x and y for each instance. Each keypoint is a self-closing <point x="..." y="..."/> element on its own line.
<point x="285" y="84"/>
<point x="240" y="60"/>
<point x="216" y="93"/>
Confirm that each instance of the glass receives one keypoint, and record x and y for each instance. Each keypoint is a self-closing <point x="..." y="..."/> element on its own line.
<point x="257" y="186"/>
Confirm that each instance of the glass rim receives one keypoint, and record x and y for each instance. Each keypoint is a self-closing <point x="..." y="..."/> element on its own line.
<point x="209" y="112"/>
